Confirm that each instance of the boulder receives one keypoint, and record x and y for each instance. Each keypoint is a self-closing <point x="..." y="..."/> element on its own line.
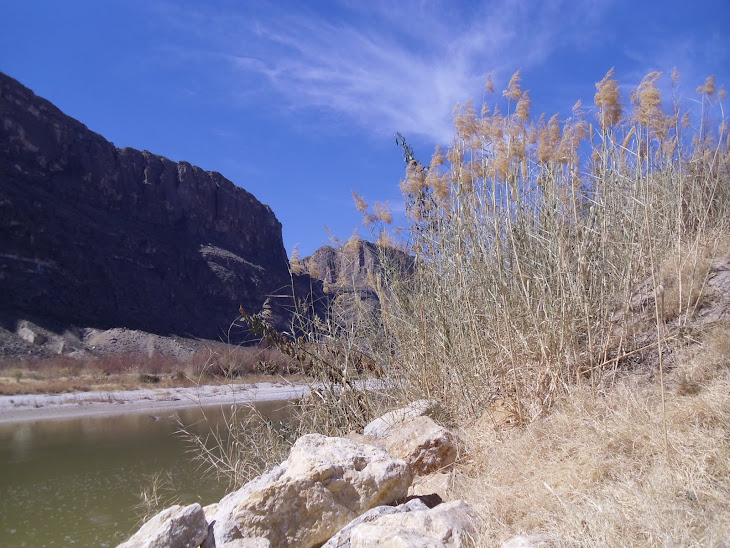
<point x="448" y="525"/>
<point x="174" y="527"/>
<point x="323" y="485"/>
<point x="342" y="538"/>
<point x="370" y="440"/>
<point x="225" y="528"/>
<point x="383" y="426"/>
<point x="30" y="335"/>
<point x="423" y="444"/>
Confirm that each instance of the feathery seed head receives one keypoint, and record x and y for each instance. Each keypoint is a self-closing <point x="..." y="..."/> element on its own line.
<point x="295" y="262"/>
<point x="415" y="178"/>
<point x="437" y="160"/>
<point x="353" y="245"/>
<point x="384" y="239"/>
<point x="573" y="134"/>
<point x="489" y="84"/>
<point x="360" y="202"/>
<point x="465" y="120"/>
<point x="514" y="90"/>
<point x="383" y="213"/>
<point x="522" y="111"/>
<point x="648" y="102"/>
<point x="708" y="88"/>
<point x="607" y="101"/>
<point x="675" y="76"/>
<point x="440" y="185"/>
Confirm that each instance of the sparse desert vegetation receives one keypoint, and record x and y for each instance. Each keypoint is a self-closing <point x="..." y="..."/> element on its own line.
<point x="569" y="305"/>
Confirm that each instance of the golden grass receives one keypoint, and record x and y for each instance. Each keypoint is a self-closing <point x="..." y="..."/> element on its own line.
<point x="531" y="239"/>
<point x="595" y="471"/>
<point x="562" y="286"/>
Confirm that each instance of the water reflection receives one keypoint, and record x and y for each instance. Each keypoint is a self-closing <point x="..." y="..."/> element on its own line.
<point x="77" y="482"/>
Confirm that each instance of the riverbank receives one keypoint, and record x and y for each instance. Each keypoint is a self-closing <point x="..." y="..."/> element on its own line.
<point x="33" y="407"/>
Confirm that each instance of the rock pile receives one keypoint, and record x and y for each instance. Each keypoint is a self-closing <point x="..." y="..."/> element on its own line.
<point x="335" y="493"/>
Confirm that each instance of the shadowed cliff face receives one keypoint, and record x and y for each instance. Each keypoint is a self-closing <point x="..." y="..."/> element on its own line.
<point x="95" y="235"/>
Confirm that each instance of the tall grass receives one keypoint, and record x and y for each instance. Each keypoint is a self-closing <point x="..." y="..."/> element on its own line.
<point x="533" y="236"/>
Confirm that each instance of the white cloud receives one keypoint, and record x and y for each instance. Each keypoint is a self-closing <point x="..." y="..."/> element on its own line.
<point x="389" y="68"/>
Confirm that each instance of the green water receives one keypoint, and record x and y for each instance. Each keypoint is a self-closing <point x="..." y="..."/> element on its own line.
<point x="78" y="482"/>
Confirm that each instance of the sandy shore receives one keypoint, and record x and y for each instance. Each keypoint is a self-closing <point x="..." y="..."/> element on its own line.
<point x="147" y="400"/>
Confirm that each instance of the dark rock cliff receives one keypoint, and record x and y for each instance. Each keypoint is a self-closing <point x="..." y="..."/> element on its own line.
<point x="95" y="235"/>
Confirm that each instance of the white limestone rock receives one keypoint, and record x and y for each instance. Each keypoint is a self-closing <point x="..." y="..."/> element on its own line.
<point x="174" y="527"/>
<point x="322" y="486"/>
<point x="225" y="528"/>
<point x="257" y="542"/>
<point x="423" y="444"/>
<point x="439" y="482"/>
<point x="210" y="511"/>
<point x="342" y="538"/>
<point x="383" y="426"/>
<point x="448" y="525"/>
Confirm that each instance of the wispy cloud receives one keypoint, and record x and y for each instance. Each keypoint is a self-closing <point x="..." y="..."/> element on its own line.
<point x="387" y="68"/>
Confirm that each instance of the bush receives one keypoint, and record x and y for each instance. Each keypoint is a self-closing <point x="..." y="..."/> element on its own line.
<point x="530" y="238"/>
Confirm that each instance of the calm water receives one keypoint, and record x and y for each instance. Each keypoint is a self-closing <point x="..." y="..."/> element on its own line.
<point x="78" y="482"/>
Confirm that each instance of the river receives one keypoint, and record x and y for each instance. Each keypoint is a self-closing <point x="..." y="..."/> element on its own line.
<point x="78" y="482"/>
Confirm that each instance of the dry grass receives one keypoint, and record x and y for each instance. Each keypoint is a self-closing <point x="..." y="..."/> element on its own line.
<point x="247" y="444"/>
<point x="127" y="372"/>
<point x="532" y="237"/>
<point x="562" y="283"/>
<point x="596" y="473"/>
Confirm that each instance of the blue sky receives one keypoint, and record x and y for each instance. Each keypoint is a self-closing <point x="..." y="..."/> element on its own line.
<point x="298" y="102"/>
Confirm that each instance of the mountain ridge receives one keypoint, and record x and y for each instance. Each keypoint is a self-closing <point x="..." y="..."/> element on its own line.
<point x="103" y="236"/>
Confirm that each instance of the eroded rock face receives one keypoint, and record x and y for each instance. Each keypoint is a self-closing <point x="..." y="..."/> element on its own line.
<point x="99" y="236"/>
<point x="174" y="527"/>
<point x="323" y="485"/>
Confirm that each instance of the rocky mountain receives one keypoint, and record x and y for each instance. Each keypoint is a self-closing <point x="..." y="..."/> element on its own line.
<point x="353" y="265"/>
<point x="94" y="235"/>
